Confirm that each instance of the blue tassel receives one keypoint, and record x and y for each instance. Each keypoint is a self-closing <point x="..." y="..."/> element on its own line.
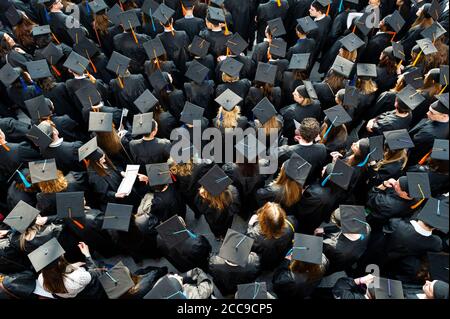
<point x="153" y="21"/>
<point x="191" y="234"/>
<point x="363" y="163"/>
<point x="37" y="88"/>
<point x="24" y="85"/>
<point x="325" y="180"/>
<point x="24" y="180"/>
<point x="289" y="252"/>
<point x="438" y="208"/>
<point x="329" y="129"/>
<point x="341" y="6"/>
<point x="88" y="9"/>
<point x="362" y="237"/>
<point x="47" y="16"/>
<point x="221" y="117"/>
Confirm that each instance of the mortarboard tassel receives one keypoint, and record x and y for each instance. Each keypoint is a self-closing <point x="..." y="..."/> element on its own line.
<point x="37" y="88"/>
<point x="363" y="163"/>
<point x="445" y="87"/>
<point x="134" y="34"/>
<point x="111" y="277"/>
<point x="389" y="288"/>
<point x="191" y="234"/>
<point x="24" y="85"/>
<point x="58" y="74"/>
<point x="329" y="129"/>
<point x="121" y="5"/>
<point x="393" y="35"/>
<point x="341" y="6"/>
<point x="438" y="212"/>
<point x="227" y="31"/>
<point x="279" y="3"/>
<point x="2" y="217"/>
<point x="98" y="37"/>
<point x="328" y="10"/>
<point x="328" y="177"/>
<point x="55" y="38"/>
<point x="91" y="63"/>
<point x="240" y="242"/>
<point x="176" y="293"/>
<point x="417" y="58"/>
<point x="257" y="286"/>
<point x="5" y="147"/>
<point x="153" y="21"/>
<point x="424" y="159"/>
<point x="24" y="180"/>
<point x="88" y="9"/>
<point x="78" y="224"/>
<point x="420" y="201"/>
<point x="47" y="15"/>
<point x="86" y="163"/>
<point x="183" y="8"/>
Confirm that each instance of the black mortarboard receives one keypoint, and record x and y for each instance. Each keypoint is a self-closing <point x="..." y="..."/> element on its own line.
<point x="230" y="66"/>
<point x="100" y="122"/>
<point x="88" y="149"/>
<point x="278" y="47"/>
<point x="149" y="6"/>
<point x="341" y="174"/>
<point x="337" y="115"/>
<point x="163" y="13"/>
<point x="361" y="23"/>
<point x="14" y="17"/>
<point x="88" y="95"/>
<point x="443" y="75"/>
<point x="191" y="112"/>
<point x="418" y="185"/>
<point x="310" y="91"/>
<point x="197" y="72"/>
<point x="154" y="48"/>
<point x="146" y="101"/>
<point x="114" y="13"/>
<point x="41" y="135"/>
<point x="76" y="34"/>
<point x="38" y="69"/>
<point x="435" y="213"/>
<point x="276" y="27"/>
<point x="366" y="70"/>
<point x="228" y="100"/>
<point x="166" y="288"/>
<point x="427" y="46"/>
<point x="158" y="174"/>
<point x="307" y="24"/>
<point x="218" y="3"/>
<point x="438" y="266"/>
<point x="398" y="139"/>
<point x="414" y="78"/>
<point x="353" y="219"/>
<point x="441" y="105"/>
<point x="76" y="63"/>
<point x="142" y="124"/>
<point x="351" y="96"/>
<point x="40" y="30"/>
<point x="398" y="50"/>
<point x="264" y="110"/>
<point x="116" y="281"/>
<point x="395" y="21"/>
<point x="215" y="15"/>
<point x="435" y="10"/>
<point x="299" y="61"/>
<point x="351" y="42"/>
<point x="236" y="44"/>
<point x="323" y="3"/>
<point x="38" y="108"/>
<point x="297" y="168"/>
<point x="410" y="97"/>
<point x="118" y="63"/>
<point x="46" y="254"/>
<point x="70" y="204"/>
<point x="199" y="47"/>
<point x="256" y="290"/>
<point x="52" y="53"/>
<point x="250" y="147"/>
<point x="8" y="74"/>
<point x="307" y="248"/>
<point x="117" y="217"/>
<point x="376" y="144"/>
<point x="98" y="5"/>
<point x="215" y="181"/>
<point x="342" y="66"/>
<point x="236" y="247"/>
<point x="266" y="73"/>
<point x="173" y="232"/>
<point x="440" y="150"/>
<point x="158" y="80"/>
<point x="86" y="48"/>
<point x="433" y="32"/>
<point x="129" y="20"/>
<point x="389" y="289"/>
<point x="21" y="216"/>
<point x="42" y="171"/>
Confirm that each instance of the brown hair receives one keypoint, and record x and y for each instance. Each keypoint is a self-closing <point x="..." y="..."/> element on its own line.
<point x="431" y="87"/>
<point x="349" y="55"/>
<point x="54" y="186"/>
<point x="28" y="235"/>
<point x="335" y="81"/>
<point x="229" y="118"/>
<point x="392" y="157"/>
<point x="226" y="78"/>
<point x="366" y="86"/>
<point x="438" y="166"/>
<point x="291" y="191"/>
<point x="109" y="142"/>
<point x="101" y="23"/>
<point x="334" y="133"/>
<point x="309" y="129"/>
<point x="388" y="63"/>
<point x="181" y="169"/>
<point x="272" y="220"/>
<point x="54" y="274"/>
<point x="273" y="123"/>
<point x="422" y="21"/>
<point x="314" y="271"/>
<point x="219" y="202"/>
<point x="22" y="31"/>
<point x="47" y="84"/>
<point x="99" y="169"/>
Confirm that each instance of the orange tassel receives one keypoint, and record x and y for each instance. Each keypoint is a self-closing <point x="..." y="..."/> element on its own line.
<point x="78" y="224"/>
<point x="93" y="65"/>
<point x="56" y="71"/>
<point x="228" y="51"/>
<point x="86" y="162"/>
<point x="55" y="38"/>
<point x="5" y="147"/>
<point x="393" y="35"/>
<point x="121" y="5"/>
<point x="98" y="37"/>
<point x="354" y="29"/>
<point x="424" y="159"/>
<point x="183" y="8"/>
<point x="417" y="204"/>
<point x="134" y="34"/>
<point x="328" y="10"/>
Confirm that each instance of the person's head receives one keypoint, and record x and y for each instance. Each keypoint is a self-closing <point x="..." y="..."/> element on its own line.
<point x="401" y="107"/>
<point x="400" y="84"/>
<point x="300" y="95"/>
<point x="180" y="169"/>
<point x="436" y="289"/>
<point x="316" y="10"/>
<point x="228" y="119"/>
<point x="374" y="3"/>
<point x="219" y="202"/>
<point x="431" y="82"/>
<point x="387" y="60"/>
<point x="49" y="128"/>
<point x="101" y="22"/>
<point x="272" y="220"/>
<point x="313" y="271"/>
<point x="23" y="29"/>
<point x="2" y="137"/>
<point x="54" y="186"/>
<point x="391" y="156"/>
<point x="366" y="85"/>
<point x="424" y="18"/>
<point x="226" y="78"/>
<point x="53" y="276"/>
<point x="401" y="187"/>
<point x="309" y="129"/>
<point x="268" y="33"/>
<point x="349" y="55"/>
<point x="334" y="80"/>
<point x="438" y="166"/>
<point x="434" y="115"/>
<point x="339" y="97"/>
<point x="291" y="191"/>
<point x="6" y="43"/>
<point x="359" y="149"/>
<point x="98" y="160"/>
<point x="272" y="123"/>
<point x="154" y="131"/>
<point x="299" y="31"/>
<point x="54" y="5"/>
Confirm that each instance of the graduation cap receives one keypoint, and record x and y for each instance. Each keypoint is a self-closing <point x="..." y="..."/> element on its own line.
<point x="38" y="108"/>
<point x="114" y="13"/>
<point x="398" y="50"/>
<point x="173" y="232"/>
<point x="307" y="24"/>
<point x="228" y="100"/>
<point x="438" y="266"/>
<point x="197" y="72"/>
<point x="149" y="6"/>
<point x="342" y="66"/>
<point x="38" y="69"/>
<point x="264" y="110"/>
<point x="199" y="47"/>
<point x="14" y="17"/>
<point x="52" y="53"/>
<point x="100" y="122"/>
<point x="351" y="42"/>
<point x="435" y="213"/>
<point x="154" y="48"/>
<point x="388" y="289"/>
<point x="117" y="281"/>
<point x="159" y="174"/>
<point x="443" y="76"/>
<point x="353" y="219"/>
<point x="410" y="97"/>
<point x="218" y="3"/>
<point x="230" y="66"/>
<point x="351" y="96"/>
<point x="340" y="175"/>
<point x="146" y="101"/>
<point x="395" y="21"/>
<point x="418" y="185"/>
<point x="41" y="30"/>
<point x="41" y="135"/>
<point x="8" y="74"/>
<point x="440" y="150"/>
<point x="158" y="80"/>
<point x="76" y="34"/>
<point x="250" y="147"/>
<point x="129" y="20"/>
<point x="191" y="112"/>
<point x="299" y="61"/>
<point x="21" y="217"/>
<point x="89" y="150"/>
<point x="360" y="23"/>
<point x="70" y="204"/>
<point x="236" y="44"/>
<point x="337" y="116"/>
<point x="278" y="47"/>
<point x="86" y="48"/>
<point x="76" y="63"/>
<point x="163" y="13"/>
<point x="266" y="73"/>
<point x="215" y="181"/>
<point x="297" y="168"/>
<point x="307" y="248"/>
<point x="256" y="290"/>
<point x="236" y="247"/>
<point x="118" y="63"/>
<point x="366" y="71"/>
<point x="441" y="105"/>
<point x="427" y="46"/>
<point x="42" y="171"/>
<point x="414" y="78"/>
<point x="98" y="6"/>
<point x="117" y="217"/>
<point x="166" y="288"/>
<point x="276" y="27"/>
<point x="142" y="124"/>
<point x="89" y="96"/>
<point x="434" y="10"/>
<point x="398" y="139"/>
<point x="215" y="15"/>
<point x="46" y="254"/>
<point x="376" y="144"/>
<point x="434" y="32"/>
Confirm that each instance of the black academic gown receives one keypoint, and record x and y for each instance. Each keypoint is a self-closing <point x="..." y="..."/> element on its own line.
<point x="63" y="104"/>
<point x="191" y="25"/>
<point x="104" y="188"/>
<point x="272" y="193"/>
<point x="134" y="86"/>
<point x="14" y="130"/>
<point x="260" y="52"/>
<point x="423" y="135"/>
<point x="217" y="40"/>
<point x="10" y="160"/>
<point x="288" y="85"/>
<point x="176" y="47"/>
<point x="305" y="45"/>
<point x="69" y="129"/>
<point x="207" y="61"/>
<point x="202" y="95"/>
<point x="385" y="81"/>
<point x="150" y="152"/>
<point x="58" y="25"/>
<point x="325" y="94"/>
<point x="346" y="288"/>
<point x="409" y="41"/>
<point x="16" y="195"/>
<point x="255" y="95"/>
<point x="390" y="121"/>
<point x="390" y="170"/>
<point x="320" y="34"/>
<point x="439" y="182"/>
<point x="66" y="156"/>
<point x="371" y="52"/>
<point x="243" y="13"/>
<point x="384" y="103"/>
<point x="266" y="12"/>
<point x="125" y="44"/>
<point x="240" y="87"/>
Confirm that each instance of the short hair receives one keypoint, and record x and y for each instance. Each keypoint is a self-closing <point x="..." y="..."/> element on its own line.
<point x="402" y="107"/>
<point x="309" y="129"/>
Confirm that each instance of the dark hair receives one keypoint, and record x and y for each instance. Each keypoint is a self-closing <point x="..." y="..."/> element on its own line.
<point x="402" y="107"/>
<point x="309" y="129"/>
<point x="53" y="276"/>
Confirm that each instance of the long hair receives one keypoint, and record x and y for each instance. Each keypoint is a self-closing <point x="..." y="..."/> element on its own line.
<point x="109" y="142"/>
<point x="335" y="133"/>
<point x="399" y="85"/>
<point x="219" y="202"/>
<point x="438" y="166"/>
<point x="392" y="157"/>
<point x="22" y="31"/>
<point x="228" y="119"/>
<point x="101" y="23"/>
<point x="366" y="86"/>
<point x="291" y="191"/>
<point x="54" y="186"/>
<point x="4" y="47"/>
<point x="54" y="274"/>
<point x="248" y="169"/>
<point x="430" y="86"/>
<point x="335" y="81"/>
<point x="388" y="63"/>
<point x="422" y="22"/>
<point x="272" y="220"/>
<point x="314" y="271"/>
<point x="349" y="55"/>
<point x="99" y="169"/>
<point x="272" y="123"/>
<point x="181" y="169"/>
<point x="28" y="235"/>
<point x="46" y="84"/>
<point x="299" y="75"/>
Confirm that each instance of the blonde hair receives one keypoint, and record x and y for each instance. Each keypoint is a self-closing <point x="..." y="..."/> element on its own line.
<point x="219" y="202"/>
<point x="392" y="157"/>
<point x="291" y="191"/>
<point x="182" y="169"/>
<point x="54" y="186"/>
<point x="366" y="86"/>
<point x="272" y="123"/>
<point x="228" y="119"/>
<point x="349" y="55"/>
<point x="228" y="78"/>
<point x="272" y="220"/>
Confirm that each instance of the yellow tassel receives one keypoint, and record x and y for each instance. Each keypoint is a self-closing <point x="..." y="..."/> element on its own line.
<point x="279" y="3"/>
<point x="417" y="58"/>
<point x="417" y="204"/>
<point x="120" y="82"/>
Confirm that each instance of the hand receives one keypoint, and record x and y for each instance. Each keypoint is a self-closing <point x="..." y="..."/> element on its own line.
<point x="369" y="125"/>
<point x="84" y="249"/>
<point x="3" y="233"/>
<point x="366" y="280"/>
<point x="389" y="183"/>
<point x="318" y="232"/>
<point x="335" y="156"/>
<point x="41" y="220"/>
<point x="143" y="178"/>
<point x="288" y="257"/>
<point x="120" y="195"/>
